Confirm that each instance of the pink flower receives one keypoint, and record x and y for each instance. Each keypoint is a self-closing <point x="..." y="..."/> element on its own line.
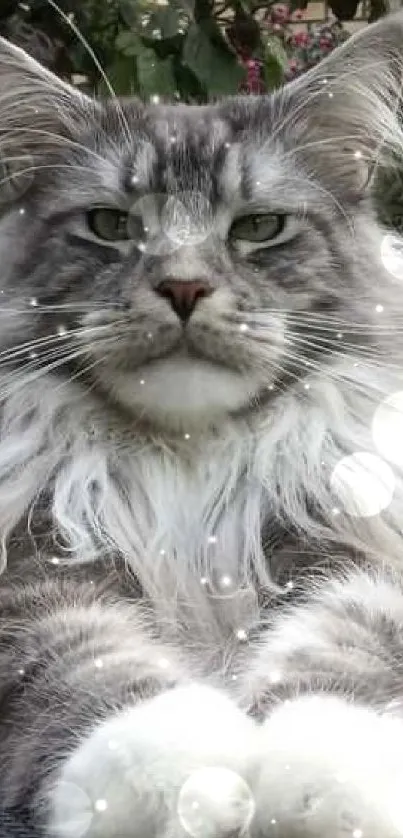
<point x="280" y="13"/>
<point x="301" y="39"/>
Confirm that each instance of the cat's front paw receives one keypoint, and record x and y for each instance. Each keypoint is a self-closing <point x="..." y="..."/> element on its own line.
<point x="329" y="769"/>
<point x="125" y="779"/>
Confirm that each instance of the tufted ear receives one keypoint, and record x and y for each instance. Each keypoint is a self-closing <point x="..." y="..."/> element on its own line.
<point x="346" y="111"/>
<point x="38" y="114"/>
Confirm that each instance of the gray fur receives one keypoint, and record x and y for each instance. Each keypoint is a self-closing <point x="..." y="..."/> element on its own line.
<point x="141" y="465"/>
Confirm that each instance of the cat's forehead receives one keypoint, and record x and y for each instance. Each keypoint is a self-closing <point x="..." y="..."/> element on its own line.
<point x="212" y="149"/>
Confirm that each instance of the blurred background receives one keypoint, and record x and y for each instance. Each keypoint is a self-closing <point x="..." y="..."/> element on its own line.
<point x="193" y="50"/>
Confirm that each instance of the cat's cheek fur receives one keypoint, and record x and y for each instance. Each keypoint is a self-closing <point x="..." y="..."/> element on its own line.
<point x="124" y="779"/>
<point x="329" y="768"/>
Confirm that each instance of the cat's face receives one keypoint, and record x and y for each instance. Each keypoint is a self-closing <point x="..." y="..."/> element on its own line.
<point x="190" y="262"/>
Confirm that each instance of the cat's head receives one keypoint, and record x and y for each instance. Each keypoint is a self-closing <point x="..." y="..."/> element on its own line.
<point x="193" y="262"/>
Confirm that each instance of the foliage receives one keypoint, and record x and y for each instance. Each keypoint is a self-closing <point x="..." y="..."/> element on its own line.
<point x="191" y="49"/>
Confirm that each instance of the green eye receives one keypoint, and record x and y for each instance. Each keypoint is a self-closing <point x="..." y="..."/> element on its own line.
<point x="258" y="228"/>
<point x="113" y="225"/>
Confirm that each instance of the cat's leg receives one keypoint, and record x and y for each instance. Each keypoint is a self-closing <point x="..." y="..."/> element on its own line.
<point x="327" y="683"/>
<point x="101" y="725"/>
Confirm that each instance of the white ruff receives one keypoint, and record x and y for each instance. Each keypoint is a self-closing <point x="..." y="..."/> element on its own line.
<point x="159" y="505"/>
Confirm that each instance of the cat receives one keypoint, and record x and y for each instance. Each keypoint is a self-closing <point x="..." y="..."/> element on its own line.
<point x="197" y="333"/>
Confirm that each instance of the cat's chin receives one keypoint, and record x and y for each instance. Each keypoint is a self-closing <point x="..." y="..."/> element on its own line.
<point x="185" y="390"/>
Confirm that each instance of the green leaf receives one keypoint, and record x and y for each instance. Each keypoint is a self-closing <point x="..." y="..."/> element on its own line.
<point x="214" y="65"/>
<point x="164" y="21"/>
<point x="154" y="76"/>
<point x="122" y="75"/>
<point x="128" y="43"/>
<point x="275" y="61"/>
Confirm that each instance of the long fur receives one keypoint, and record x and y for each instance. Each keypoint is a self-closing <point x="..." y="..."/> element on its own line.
<point x="182" y="586"/>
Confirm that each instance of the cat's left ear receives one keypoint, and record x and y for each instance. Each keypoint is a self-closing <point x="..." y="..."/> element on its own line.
<point x="346" y="112"/>
<point x="38" y="111"/>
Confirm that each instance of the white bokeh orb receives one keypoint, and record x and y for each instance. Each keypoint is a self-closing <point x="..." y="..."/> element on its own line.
<point x="187" y="219"/>
<point x="363" y="483"/>
<point x="392" y="254"/>
<point x="214" y="802"/>
<point x="74" y="809"/>
<point x="387" y="428"/>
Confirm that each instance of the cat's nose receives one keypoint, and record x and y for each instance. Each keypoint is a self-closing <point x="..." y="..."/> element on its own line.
<point x="184" y="295"/>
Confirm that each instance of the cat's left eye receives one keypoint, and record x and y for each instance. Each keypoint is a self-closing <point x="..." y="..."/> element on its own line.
<point x="258" y="228"/>
<point x="113" y="225"/>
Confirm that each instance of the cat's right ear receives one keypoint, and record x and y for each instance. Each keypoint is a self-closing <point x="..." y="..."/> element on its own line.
<point x="38" y="111"/>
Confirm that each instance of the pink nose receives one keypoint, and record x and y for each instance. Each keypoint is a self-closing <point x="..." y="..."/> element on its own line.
<point x="183" y="296"/>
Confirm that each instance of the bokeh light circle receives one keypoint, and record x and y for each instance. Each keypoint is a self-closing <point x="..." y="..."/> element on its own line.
<point x="392" y="254"/>
<point x="187" y="218"/>
<point x="363" y="483"/>
<point x="215" y="802"/>
<point x="74" y="811"/>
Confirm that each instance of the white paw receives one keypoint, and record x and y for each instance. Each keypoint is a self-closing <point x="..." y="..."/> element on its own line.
<point x="329" y="769"/>
<point x="125" y="779"/>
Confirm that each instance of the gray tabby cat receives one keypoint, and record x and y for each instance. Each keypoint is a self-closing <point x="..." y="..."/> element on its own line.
<point x="196" y="328"/>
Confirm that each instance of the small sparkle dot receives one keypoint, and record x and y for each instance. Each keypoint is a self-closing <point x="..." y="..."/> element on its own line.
<point x="100" y="805"/>
<point x="33" y="302"/>
<point x="61" y="330"/>
<point x="163" y="552"/>
<point x="33" y="355"/>
<point x="335" y="511"/>
<point x="227" y="145"/>
<point x="149" y="335"/>
<point x="141" y="246"/>
<point x="113" y="745"/>
<point x="164" y="663"/>
<point x="330" y="95"/>
<point x="155" y="99"/>
<point x="22" y="211"/>
<point x="290" y="585"/>
<point x="358" y="154"/>
<point x="339" y="335"/>
<point x="307" y="386"/>
<point x="226" y="581"/>
<point x="212" y="539"/>
<point x="234" y="677"/>
<point x="91" y="581"/>
<point x="172" y="138"/>
<point x="55" y="560"/>
<point x="98" y="663"/>
<point x="21" y="671"/>
<point x="243" y="327"/>
<point x="324" y="81"/>
<point x="273" y="821"/>
<point x="134" y="180"/>
<point x="271" y="387"/>
<point x="242" y="634"/>
<point x="186" y="436"/>
<point x="203" y="580"/>
<point x="258" y="183"/>
<point x="142" y="381"/>
<point x="379" y="308"/>
<point x="275" y="676"/>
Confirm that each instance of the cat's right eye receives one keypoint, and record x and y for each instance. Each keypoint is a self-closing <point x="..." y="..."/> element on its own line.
<point x="114" y="225"/>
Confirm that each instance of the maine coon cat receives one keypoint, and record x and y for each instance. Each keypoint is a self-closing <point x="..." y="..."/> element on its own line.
<point x="196" y="329"/>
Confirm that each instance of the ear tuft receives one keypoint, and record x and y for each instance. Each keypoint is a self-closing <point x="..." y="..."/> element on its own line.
<point x="39" y="113"/>
<point x="346" y="110"/>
